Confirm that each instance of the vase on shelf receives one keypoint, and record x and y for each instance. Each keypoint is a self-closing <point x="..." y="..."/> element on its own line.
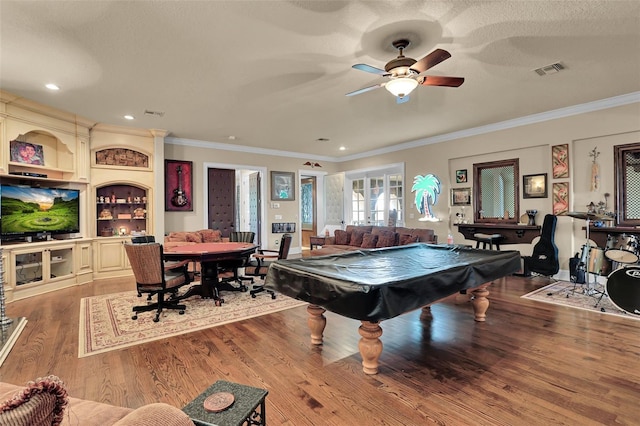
<point x="532" y="217"/>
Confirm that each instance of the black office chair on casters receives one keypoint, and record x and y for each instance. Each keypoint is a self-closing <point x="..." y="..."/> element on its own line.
<point x="544" y="259"/>
<point x="261" y="261"/>
<point x="228" y="272"/>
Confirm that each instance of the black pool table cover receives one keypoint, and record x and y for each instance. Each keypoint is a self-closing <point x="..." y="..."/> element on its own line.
<point x="374" y="285"/>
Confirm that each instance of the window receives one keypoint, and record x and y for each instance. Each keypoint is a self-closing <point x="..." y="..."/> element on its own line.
<point x="377" y="197"/>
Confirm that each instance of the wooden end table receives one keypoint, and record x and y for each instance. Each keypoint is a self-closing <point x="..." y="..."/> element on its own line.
<point x="315" y="240"/>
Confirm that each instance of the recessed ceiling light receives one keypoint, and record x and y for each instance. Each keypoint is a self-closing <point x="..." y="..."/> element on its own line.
<point x="129" y="117"/>
<point x="52" y="86"/>
<point x="342" y="148"/>
<point x="232" y="138"/>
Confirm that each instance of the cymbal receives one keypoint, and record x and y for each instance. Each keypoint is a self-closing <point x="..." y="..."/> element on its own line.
<point x="589" y="216"/>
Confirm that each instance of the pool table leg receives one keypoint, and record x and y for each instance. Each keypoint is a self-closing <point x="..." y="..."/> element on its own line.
<point x="370" y="346"/>
<point x="316" y="321"/>
<point x="480" y="302"/>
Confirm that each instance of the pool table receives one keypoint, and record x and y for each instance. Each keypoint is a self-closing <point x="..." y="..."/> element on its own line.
<point x="379" y="284"/>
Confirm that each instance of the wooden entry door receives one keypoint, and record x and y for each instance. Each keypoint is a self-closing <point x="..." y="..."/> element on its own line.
<point x="221" y="200"/>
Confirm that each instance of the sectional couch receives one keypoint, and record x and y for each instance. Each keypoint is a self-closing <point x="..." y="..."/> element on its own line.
<point x="192" y="237"/>
<point x="367" y="237"/>
<point x="44" y="401"/>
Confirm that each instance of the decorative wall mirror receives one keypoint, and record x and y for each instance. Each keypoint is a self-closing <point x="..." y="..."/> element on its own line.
<point x="496" y="191"/>
<point x="627" y="184"/>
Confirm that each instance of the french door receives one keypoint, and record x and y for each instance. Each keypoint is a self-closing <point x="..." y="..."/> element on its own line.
<point x="377" y="199"/>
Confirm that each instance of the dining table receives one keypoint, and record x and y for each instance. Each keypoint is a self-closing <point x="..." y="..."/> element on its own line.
<point x="210" y="256"/>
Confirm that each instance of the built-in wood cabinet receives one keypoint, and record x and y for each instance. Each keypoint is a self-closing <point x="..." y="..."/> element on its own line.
<point x="110" y="258"/>
<point x="36" y="268"/>
<point x="99" y="160"/>
<point x="121" y="210"/>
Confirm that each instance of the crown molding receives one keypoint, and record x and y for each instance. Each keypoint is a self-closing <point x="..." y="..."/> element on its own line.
<point x="607" y="103"/>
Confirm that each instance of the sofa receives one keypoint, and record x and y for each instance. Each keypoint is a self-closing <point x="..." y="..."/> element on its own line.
<point x="45" y="401"/>
<point x="368" y="237"/>
<point x="182" y="238"/>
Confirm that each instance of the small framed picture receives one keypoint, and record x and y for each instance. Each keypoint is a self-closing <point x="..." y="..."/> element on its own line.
<point x="27" y="153"/>
<point x="461" y="196"/>
<point x="560" y="198"/>
<point x="560" y="161"/>
<point x="535" y="186"/>
<point x="283" y="186"/>
<point x="461" y="176"/>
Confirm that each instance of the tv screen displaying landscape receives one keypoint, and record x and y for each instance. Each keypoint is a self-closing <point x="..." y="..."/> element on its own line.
<point x="28" y="211"/>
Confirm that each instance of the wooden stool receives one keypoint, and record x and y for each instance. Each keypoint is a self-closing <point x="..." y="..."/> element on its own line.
<point x="491" y="239"/>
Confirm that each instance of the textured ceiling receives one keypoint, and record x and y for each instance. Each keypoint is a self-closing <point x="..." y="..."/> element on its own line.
<point x="274" y="73"/>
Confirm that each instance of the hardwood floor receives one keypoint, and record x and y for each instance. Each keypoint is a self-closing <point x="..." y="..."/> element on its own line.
<point x="530" y="363"/>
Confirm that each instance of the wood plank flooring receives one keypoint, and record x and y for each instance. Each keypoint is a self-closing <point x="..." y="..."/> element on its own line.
<point x="529" y="364"/>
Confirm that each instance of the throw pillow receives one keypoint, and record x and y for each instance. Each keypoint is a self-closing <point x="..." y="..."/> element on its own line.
<point x="408" y="239"/>
<point x="341" y="237"/>
<point x="177" y="237"/>
<point x="211" y="235"/>
<point x="369" y="241"/>
<point x="42" y="402"/>
<point x="194" y="237"/>
<point x="355" y="239"/>
<point x="386" y="239"/>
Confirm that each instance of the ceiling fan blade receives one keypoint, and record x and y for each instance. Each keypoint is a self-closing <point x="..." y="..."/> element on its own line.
<point x="366" y="89"/>
<point x="369" y="68"/>
<point x="433" y="80"/>
<point x="431" y="60"/>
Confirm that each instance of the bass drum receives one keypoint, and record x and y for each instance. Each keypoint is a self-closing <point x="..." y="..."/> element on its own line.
<point x="623" y="288"/>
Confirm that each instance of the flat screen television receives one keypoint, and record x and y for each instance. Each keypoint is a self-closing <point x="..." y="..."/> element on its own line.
<point x="26" y="211"/>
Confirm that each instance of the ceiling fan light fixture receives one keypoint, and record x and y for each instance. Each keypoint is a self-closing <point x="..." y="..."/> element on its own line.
<point x="401" y="86"/>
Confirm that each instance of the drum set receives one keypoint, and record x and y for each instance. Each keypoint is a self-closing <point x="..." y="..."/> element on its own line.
<point x="619" y="261"/>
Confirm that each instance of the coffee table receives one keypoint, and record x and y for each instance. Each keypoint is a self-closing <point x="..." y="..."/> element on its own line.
<point x="243" y="411"/>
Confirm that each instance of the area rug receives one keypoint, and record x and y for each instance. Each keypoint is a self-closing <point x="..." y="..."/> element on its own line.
<point x="582" y="298"/>
<point x="106" y="324"/>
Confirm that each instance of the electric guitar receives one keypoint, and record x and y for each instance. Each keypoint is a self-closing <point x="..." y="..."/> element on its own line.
<point x="179" y="198"/>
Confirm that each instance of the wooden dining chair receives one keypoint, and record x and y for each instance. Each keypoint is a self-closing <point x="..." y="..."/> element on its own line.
<point x="154" y="277"/>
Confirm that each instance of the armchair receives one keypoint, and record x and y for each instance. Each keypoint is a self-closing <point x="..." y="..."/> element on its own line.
<point x="147" y="262"/>
<point x="260" y="263"/>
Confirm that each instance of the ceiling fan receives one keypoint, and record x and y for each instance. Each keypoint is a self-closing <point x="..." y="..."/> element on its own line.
<point x="405" y="73"/>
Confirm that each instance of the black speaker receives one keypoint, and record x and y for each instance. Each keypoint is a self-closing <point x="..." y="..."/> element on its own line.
<point x="576" y="270"/>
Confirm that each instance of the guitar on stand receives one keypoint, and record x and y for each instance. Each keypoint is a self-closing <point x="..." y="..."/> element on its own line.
<point x="179" y="198"/>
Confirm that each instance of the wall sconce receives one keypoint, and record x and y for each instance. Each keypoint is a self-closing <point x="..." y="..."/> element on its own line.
<point x="312" y="165"/>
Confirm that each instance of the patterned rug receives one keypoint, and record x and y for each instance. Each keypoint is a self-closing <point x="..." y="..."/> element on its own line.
<point x="106" y="324"/>
<point x="582" y="298"/>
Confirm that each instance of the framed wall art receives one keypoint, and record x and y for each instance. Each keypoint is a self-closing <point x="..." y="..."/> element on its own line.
<point x="560" y="161"/>
<point x="461" y="176"/>
<point x="560" y="198"/>
<point x="178" y="185"/>
<point x="534" y="186"/>
<point x="461" y="196"/>
<point x="26" y="153"/>
<point x="283" y="186"/>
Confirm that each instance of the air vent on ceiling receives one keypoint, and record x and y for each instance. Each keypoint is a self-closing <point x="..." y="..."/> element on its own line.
<point x="154" y="113"/>
<point x="550" y="69"/>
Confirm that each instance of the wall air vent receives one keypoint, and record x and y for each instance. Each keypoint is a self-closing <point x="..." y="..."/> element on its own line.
<point x="550" y="69"/>
<point x="154" y="113"/>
